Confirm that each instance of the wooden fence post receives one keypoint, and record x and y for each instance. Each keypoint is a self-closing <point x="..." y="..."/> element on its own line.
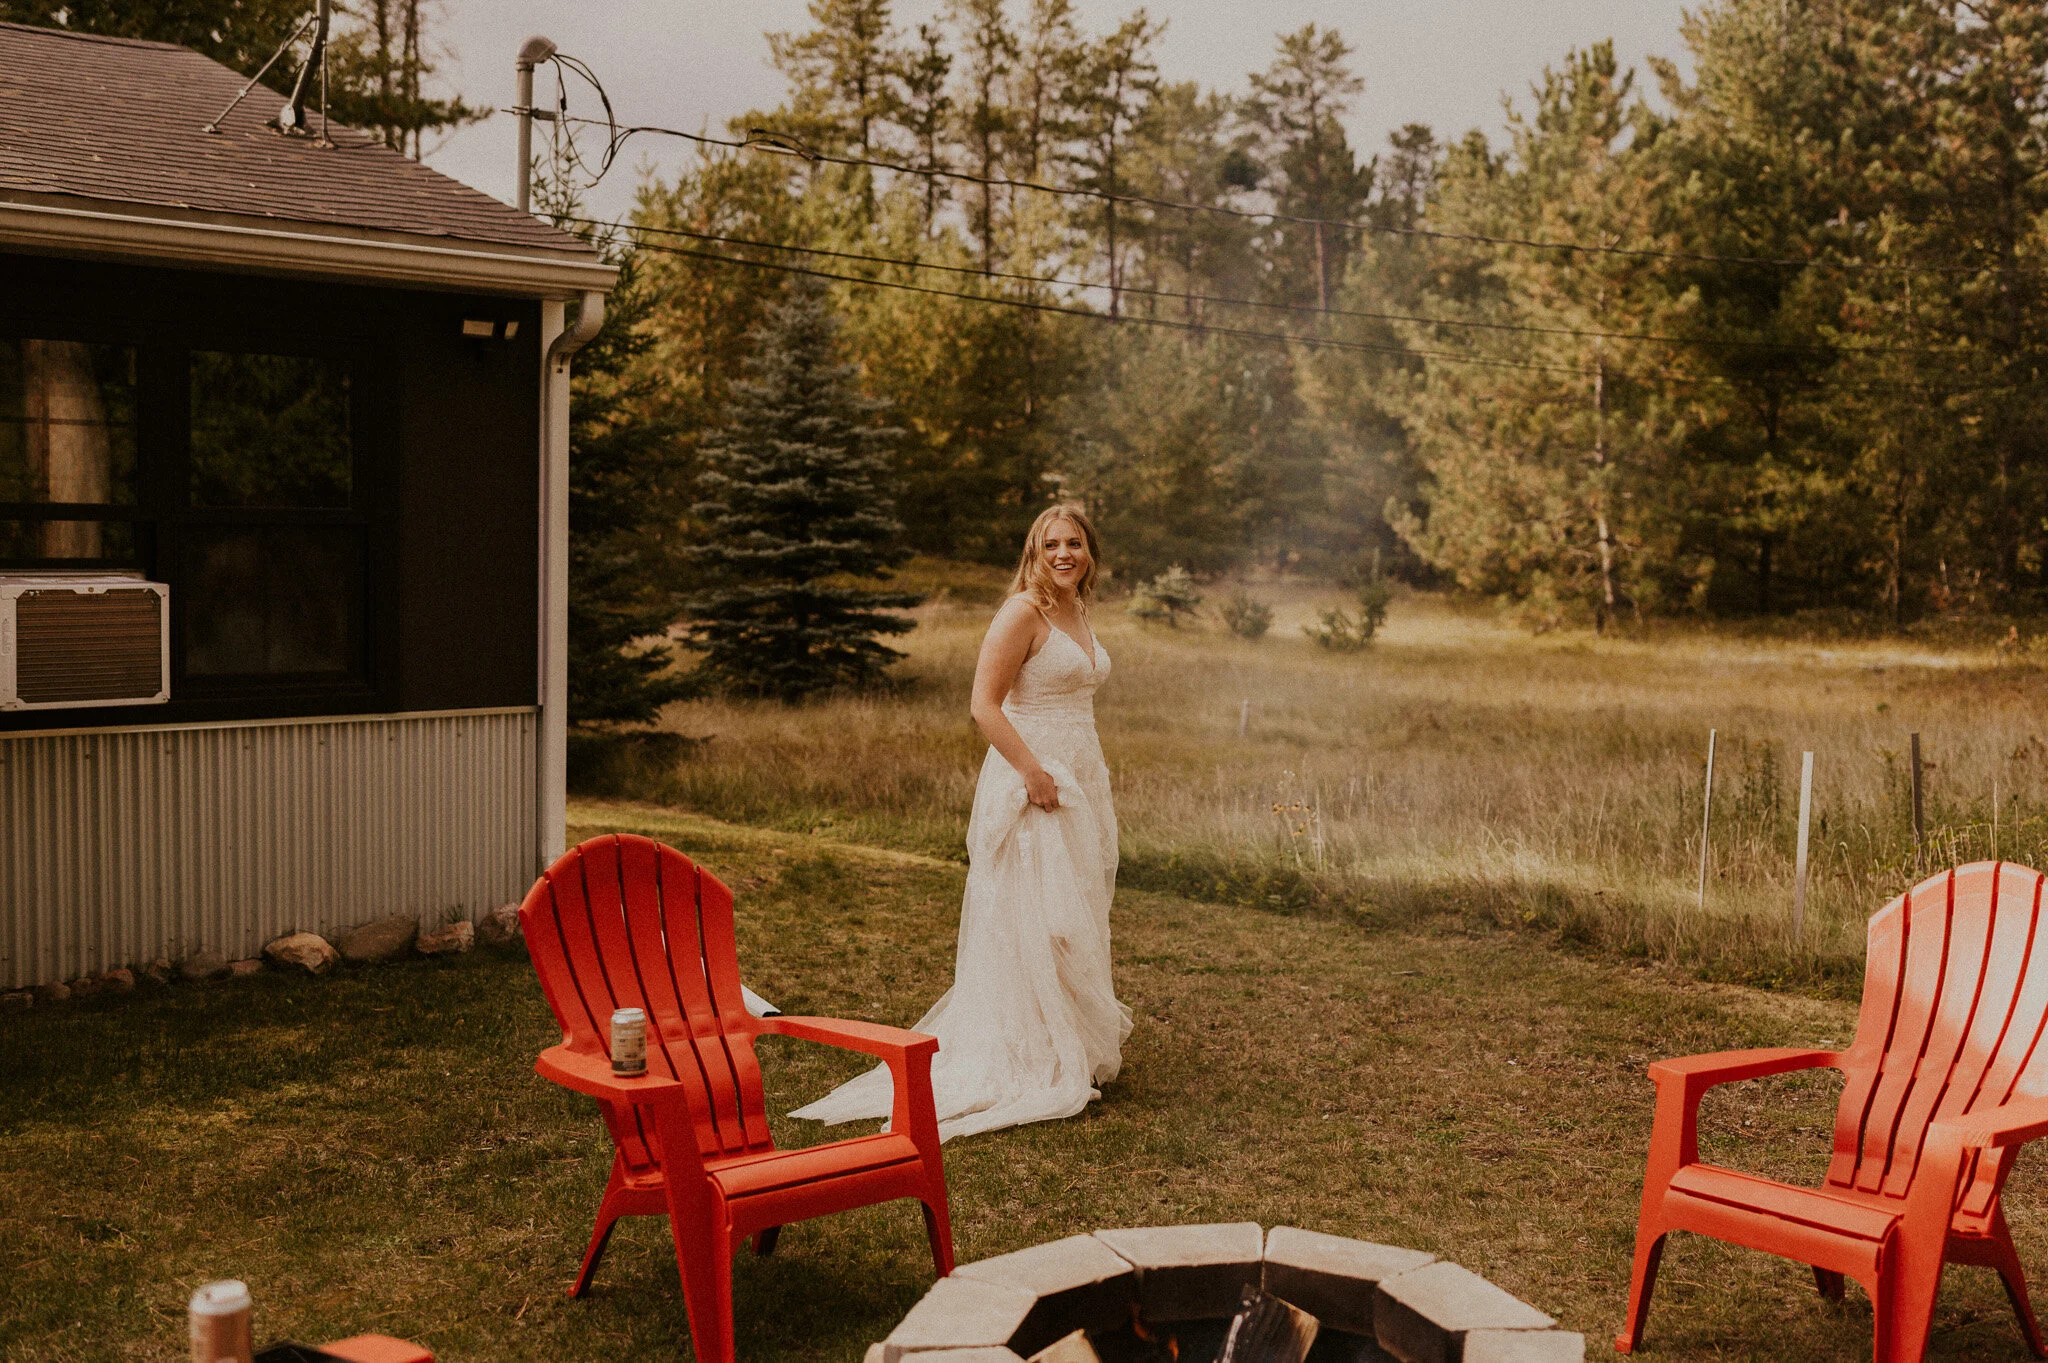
<point x="1799" y="869"/>
<point x="1244" y="717"/>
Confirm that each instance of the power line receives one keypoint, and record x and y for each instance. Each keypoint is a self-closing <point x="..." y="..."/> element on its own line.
<point x="998" y="300"/>
<point x="789" y="144"/>
<point x="1286" y="338"/>
<point x="1178" y="296"/>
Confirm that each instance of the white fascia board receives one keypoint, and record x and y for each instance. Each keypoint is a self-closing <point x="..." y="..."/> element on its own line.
<point x="53" y="226"/>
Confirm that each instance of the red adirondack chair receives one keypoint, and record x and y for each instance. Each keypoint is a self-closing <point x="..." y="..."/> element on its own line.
<point x="1947" y="1078"/>
<point x="622" y="921"/>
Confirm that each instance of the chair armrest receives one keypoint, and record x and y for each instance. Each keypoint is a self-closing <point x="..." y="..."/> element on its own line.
<point x="1728" y="1067"/>
<point x="592" y="1074"/>
<point x="1683" y="1080"/>
<point x="909" y="1058"/>
<point x="869" y="1038"/>
<point x="2014" y="1123"/>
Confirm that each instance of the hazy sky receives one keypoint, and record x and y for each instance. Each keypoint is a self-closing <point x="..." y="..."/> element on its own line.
<point x="688" y="63"/>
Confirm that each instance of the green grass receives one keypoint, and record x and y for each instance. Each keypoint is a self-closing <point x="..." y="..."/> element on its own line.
<point x="372" y="1151"/>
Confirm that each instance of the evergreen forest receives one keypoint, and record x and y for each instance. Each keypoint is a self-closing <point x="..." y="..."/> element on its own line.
<point x="1762" y="340"/>
<point x="1759" y="335"/>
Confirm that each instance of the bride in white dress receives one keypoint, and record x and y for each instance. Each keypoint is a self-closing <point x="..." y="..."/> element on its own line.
<point x="1032" y="1024"/>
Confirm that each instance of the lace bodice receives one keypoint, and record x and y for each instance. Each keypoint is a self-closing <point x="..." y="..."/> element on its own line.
<point x="1058" y="682"/>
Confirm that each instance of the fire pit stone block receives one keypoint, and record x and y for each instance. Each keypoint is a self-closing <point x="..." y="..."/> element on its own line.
<point x="1080" y="1284"/>
<point x="959" y="1313"/>
<point x="1423" y="1316"/>
<point x="1525" y="1346"/>
<point x="1331" y="1277"/>
<point x="1191" y="1272"/>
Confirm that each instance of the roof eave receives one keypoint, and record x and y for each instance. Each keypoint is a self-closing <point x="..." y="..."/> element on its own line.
<point x="102" y="230"/>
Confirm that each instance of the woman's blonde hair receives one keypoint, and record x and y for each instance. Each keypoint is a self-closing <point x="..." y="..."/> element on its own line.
<point x="1034" y="577"/>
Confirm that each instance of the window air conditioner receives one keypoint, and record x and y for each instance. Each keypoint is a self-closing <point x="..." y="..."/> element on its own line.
<point x="77" y="640"/>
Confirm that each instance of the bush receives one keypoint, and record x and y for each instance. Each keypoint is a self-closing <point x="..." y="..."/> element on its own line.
<point x="1246" y="615"/>
<point x="1339" y="632"/>
<point x="1166" y="598"/>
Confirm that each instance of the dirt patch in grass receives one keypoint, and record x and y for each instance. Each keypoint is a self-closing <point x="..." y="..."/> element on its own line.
<point x="373" y="1151"/>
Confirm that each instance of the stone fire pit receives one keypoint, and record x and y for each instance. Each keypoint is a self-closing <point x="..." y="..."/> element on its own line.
<point x="1131" y="1290"/>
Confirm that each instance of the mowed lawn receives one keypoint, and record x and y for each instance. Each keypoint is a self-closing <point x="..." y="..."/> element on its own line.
<point x="372" y="1152"/>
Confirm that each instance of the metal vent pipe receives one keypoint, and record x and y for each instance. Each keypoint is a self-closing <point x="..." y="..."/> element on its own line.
<point x="532" y="53"/>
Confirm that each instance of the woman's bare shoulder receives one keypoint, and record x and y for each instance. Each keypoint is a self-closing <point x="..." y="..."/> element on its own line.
<point x="1019" y="607"/>
<point x="1018" y="616"/>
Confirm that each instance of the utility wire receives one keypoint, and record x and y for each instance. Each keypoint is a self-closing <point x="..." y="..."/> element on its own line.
<point x="1177" y="296"/>
<point x="1286" y="338"/>
<point x="998" y="300"/>
<point x="790" y="145"/>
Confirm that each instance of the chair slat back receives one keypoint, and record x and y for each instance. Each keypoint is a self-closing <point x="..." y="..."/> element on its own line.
<point x="621" y="921"/>
<point x="1955" y="999"/>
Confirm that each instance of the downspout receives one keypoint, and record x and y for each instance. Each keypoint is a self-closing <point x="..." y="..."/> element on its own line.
<point x="553" y="738"/>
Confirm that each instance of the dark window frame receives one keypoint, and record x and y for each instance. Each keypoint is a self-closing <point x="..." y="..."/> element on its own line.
<point x="164" y="515"/>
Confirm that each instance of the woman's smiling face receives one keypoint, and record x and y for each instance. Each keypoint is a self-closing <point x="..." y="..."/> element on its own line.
<point x="1066" y="553"/>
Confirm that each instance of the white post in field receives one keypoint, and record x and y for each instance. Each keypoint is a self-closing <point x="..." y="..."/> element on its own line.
<point x="1799" y="867"/>
<point x="1707" y="816"/>
<point x="1244" y="717"/>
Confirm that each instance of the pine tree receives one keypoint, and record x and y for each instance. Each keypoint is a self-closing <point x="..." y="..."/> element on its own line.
<point x="625" y="482"/>
<point x="627" y="478"/>
<point x="379" y="51"/>
<point x="796" y="503"/>
<point x="1298" y="102"/>
<point x="1112" y="82"/>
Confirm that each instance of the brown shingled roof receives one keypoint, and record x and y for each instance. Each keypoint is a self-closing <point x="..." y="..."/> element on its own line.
<point x="120" y="120"/>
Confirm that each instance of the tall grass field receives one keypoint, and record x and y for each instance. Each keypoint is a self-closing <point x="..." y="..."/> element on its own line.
<point x="1457" y="765"/>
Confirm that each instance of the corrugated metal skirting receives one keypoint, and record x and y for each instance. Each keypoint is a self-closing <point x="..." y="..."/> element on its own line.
<point x="120" y="847"/>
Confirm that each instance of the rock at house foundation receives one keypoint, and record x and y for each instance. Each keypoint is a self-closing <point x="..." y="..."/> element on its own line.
<point x="499" y="926"/>
<point x="56" y="991"/>
<point x="203" y="965"/>
<point x="84" y="987"/>
<point x="307" y="951"/>
<point x="17" y="1001"/>
<point x="384" y="940"/>
<point x="456" y="937"/>
<point x="120" y="980"/>
<point x="157" y="971"/>
<point x="242" y="970"/>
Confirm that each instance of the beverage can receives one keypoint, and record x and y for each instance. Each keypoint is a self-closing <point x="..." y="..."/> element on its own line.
<point x="219" y="1318"/>
<point x="629" y="1041"/>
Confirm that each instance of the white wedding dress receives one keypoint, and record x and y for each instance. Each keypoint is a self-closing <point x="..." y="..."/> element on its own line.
<point x="1032" y="1023"/>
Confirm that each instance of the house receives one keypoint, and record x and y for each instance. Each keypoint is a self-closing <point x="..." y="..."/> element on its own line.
<point x="283" y="519"/>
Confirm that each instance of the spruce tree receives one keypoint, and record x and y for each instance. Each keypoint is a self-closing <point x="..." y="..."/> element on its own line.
<point x="795" y="505"/>
<point x="627" y="485"/>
